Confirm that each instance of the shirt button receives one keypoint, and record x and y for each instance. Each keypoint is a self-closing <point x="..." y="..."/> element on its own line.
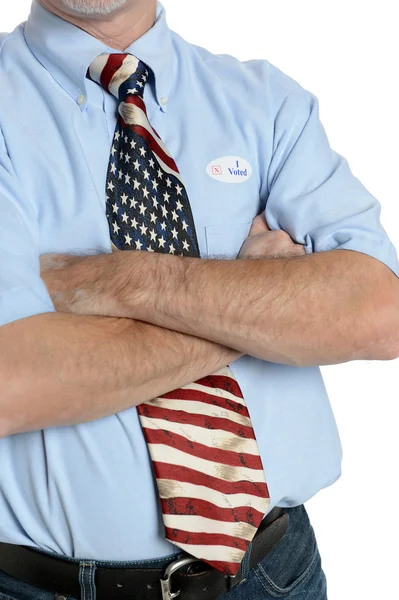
<point x="163" y="100"/>
<point x="81" y="100"/>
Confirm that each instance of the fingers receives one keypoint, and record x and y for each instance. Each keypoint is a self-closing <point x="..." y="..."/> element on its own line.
<point x="259" y="224"/>
<point x="296" y="250"/>
<point x="51" y="261"/>
<point x="270" y="244"/>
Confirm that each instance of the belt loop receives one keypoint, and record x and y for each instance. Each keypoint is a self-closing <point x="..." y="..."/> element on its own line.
<point x="87" y="580"/>
<point x="245" y="565"/>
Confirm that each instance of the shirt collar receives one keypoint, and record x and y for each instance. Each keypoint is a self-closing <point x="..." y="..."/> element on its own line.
<point x="66" y="51"/>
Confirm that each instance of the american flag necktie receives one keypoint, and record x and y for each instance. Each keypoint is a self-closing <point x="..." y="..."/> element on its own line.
<point x="200" y="438"/>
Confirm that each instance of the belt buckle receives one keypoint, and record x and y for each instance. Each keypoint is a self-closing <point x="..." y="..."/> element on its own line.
<point x="166" y="583"/>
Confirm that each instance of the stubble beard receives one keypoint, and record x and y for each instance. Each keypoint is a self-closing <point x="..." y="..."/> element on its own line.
<point x="93" y="8"/>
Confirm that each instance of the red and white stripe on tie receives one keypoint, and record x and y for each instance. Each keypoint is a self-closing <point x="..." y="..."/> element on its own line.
<point x="208" y="469"/>
<point x="111" y="71"/>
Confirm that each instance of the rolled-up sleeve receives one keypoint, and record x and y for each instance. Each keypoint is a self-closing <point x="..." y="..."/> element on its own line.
<point x="22" y="291"/>
<point x="312" y="193"/>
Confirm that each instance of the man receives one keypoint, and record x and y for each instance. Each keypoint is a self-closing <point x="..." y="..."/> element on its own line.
<point x="159" y="397"/>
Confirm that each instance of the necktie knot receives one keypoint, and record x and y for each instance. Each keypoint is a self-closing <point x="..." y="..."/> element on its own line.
<point x="120" y="74"/>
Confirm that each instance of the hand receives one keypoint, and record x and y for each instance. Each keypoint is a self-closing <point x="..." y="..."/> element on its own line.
<point x="58" y="271"/>
<point x="92" y="284"/>
<point x="262" y="242"/>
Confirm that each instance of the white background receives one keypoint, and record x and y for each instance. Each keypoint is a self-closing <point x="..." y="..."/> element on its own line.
<point x="345" y="52"/>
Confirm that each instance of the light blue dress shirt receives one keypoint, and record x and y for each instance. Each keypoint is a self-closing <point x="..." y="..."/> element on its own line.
<point x="88" y="491"/>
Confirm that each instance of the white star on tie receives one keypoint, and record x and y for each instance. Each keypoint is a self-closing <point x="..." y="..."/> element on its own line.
<point x="136" y="184"/>
<point x="179" y="190"/>
<point x="124" y="199"/>
<point x="164" y="211"/>
<point x="134" y="223"/>
<point x="111" y="186"/>
<point x="120" y="174"/>
<point x="116" y="227"/>
<point x="137" y="165"/>
<point x="142" y="151"/>
<point x="133" y="203"/>
<point x="138" y="245"/>
<point x="184" y="225"/>
<point x="175" y="216"/>
<point x="128" y="239"/>
<point x="172" y="249"/>
<point x="127" y="178"/>
<point x="186" y="246"/>
<point x="142" y="209"/>
<point x="161" y="242"/>
<point x="132" y="144"/>
<point x="174" y="233"/>
<point x="150" y="249"/>
<point x="127" y="157"/>
<point x="125" y="138"/>
<point x="113" y="168"/>
<point x="124" y="217"/>
<point x="143" y="229"/>
<point x="121" y="155"/>
<point x="113" y="150"/>
<point x="166" y="197"/>
<point x="160" y="173"/>
<point x="132" y="91"/>
<point x="153" y="218"/>
<point x="145" y="192"/>
<point x="140" y="83"/>
<point x="163" y="226"/>
<point x="154" y="202"/>
<point x="168" y="182"/>
<point x="117" y="135"/>
<point x="115" y="208"/>
<point x="151" y="162"/>
<point x="155" y="185"/>
<point x="153" y="236"/>
<point x="179" y="205"/>
<point x="146" y="174"/>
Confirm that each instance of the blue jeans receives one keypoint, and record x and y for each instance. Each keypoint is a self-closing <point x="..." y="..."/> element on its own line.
<point x="291" y="571"/>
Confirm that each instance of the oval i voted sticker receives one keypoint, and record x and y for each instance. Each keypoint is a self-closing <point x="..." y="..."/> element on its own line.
<point x="229" y="169"/>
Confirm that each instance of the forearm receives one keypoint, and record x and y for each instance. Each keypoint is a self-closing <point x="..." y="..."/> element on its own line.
<point x="322" y="308"/>
<point x="59" y="369"/>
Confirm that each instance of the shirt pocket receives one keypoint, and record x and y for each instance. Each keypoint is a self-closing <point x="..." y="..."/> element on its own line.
<point x="225" y="240"/>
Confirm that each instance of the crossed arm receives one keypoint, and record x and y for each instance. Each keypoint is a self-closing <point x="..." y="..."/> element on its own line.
<point x="146" y="323"/>
<point x="323" y="308"/>
<point x="63" y="369"/>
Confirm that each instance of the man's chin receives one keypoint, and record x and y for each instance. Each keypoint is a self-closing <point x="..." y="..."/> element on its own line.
<point x="93" y="8"/>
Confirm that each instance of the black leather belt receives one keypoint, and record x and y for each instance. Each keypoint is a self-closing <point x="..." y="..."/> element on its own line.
<point x="116" y="583"/>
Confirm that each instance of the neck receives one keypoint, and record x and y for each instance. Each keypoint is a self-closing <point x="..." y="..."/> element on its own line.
<point x="117" y="30"/>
